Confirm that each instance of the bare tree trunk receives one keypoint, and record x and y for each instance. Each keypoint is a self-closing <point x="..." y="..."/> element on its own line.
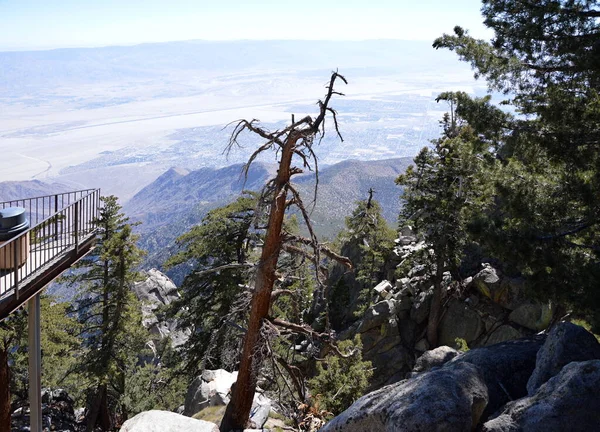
<point x="4" y="391"/>
<point x="436" y="306"/>
<point x="238" y="409"/>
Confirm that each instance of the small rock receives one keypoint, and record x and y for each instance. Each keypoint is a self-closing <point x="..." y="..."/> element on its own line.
<point x="383" y="288"/>
<point x="406" y="231"/>
<point x="377" y="315"/>
<point x="435" y="358"/>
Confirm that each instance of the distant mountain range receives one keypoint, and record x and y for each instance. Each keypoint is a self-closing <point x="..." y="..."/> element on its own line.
<point x="15" y="190"/>
<point x="22" y="72"/>
<point x="178" y="199"/>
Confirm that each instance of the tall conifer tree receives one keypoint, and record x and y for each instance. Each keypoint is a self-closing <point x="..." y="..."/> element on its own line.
<point x="109" y="313"/>
<point x="545" y="223"/>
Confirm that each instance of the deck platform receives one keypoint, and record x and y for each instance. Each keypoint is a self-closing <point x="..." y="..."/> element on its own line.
<point x="62" y="231"/>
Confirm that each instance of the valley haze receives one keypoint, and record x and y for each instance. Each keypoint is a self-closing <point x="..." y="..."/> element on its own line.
<point x="119" y="117"/>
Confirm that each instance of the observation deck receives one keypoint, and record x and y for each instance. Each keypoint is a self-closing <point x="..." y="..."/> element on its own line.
<point x="61" y="231"/>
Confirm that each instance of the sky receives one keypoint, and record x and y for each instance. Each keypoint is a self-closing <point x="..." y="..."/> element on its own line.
<point x="47" y="24"/>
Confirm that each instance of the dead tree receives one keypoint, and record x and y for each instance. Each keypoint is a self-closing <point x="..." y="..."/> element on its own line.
<point x="294" y="141"/>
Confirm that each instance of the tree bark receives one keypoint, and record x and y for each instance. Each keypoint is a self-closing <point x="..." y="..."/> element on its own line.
<point x="4" y="391"/>
<point x="238" y="409"/>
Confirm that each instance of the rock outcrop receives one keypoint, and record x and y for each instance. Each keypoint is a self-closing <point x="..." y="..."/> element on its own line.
<point x="154" y="292"/>
<point x="166" y="421"/>
<point x="58" y="413"/>
<point x="485" y="309"/>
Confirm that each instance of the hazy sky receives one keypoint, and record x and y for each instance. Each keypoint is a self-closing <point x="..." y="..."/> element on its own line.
<point x="39" y="24"/>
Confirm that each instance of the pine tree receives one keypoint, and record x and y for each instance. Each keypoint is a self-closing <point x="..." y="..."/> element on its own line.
<point x="60" y="344"/>
<point x="369" y="240"/>
<point x="221" y="250"/>
<point x="545" y="222"/>
<point x="442" y="191"/>
<point x="12" y="333"/>
<point x="110" y="315"/>
<point x="339" y="381"/>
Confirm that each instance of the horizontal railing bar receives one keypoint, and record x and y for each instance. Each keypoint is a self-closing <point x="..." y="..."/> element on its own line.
<point x="48" y="196"/>
<point x="31" y="228"/>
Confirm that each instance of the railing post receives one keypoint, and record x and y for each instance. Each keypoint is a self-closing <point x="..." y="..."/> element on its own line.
<point x="15" y="247"/>
<point x="55" y="217"/>
<point x="35" y="364"/>
<point x="76" y="227"/>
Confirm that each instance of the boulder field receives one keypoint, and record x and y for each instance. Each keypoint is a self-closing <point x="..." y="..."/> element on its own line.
<point x="539" y="383"/>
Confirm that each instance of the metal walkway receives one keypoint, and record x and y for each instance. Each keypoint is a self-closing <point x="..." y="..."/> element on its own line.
<point x="61" y="232"/>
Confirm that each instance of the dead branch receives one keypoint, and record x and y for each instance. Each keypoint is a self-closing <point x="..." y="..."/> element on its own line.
<point x="296" y="375"/>
<point x="345" y="261"/>
<point x="279" y="292"/>
<point x="299" y="251"/>
<point x="323" y="106"/>
<point x="308" y="331"/>
<point x="231" y="266"/>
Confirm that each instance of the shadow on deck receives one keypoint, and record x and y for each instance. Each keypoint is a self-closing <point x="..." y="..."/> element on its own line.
<point x="61" y="231"/>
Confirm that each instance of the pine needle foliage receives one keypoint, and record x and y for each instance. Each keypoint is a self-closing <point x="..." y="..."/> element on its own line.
<point x="339" y="381"/>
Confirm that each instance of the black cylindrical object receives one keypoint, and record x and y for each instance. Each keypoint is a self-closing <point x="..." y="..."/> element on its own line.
<point x="12" y="222"/>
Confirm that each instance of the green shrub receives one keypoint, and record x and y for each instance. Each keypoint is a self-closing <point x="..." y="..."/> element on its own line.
<point x="461" y="345"/>
<point x="340" y="381"/>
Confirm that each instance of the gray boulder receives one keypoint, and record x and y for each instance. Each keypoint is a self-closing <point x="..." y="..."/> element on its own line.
<point x="505" y="367"/>
<point x="213" y="388"/>
<point x="512" y="293"/>
<point x="487" y="281"/>
<point x="502" y="334"/>
<point x="534" y="316"/>
<point x="447" y="399"/>
<point x="565" y="343"/>
<point x="570" y="401"/>
<point x="378" y="314"/>
<point x="434" y="358"/>
<point x="261" y="407"/>
<point x="209" y="389"/>
<point x="460" y="321"/>
<point x="166" y="421"/>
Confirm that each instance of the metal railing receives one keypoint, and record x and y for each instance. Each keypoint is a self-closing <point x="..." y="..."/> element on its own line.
<point x="58" y="225"/>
